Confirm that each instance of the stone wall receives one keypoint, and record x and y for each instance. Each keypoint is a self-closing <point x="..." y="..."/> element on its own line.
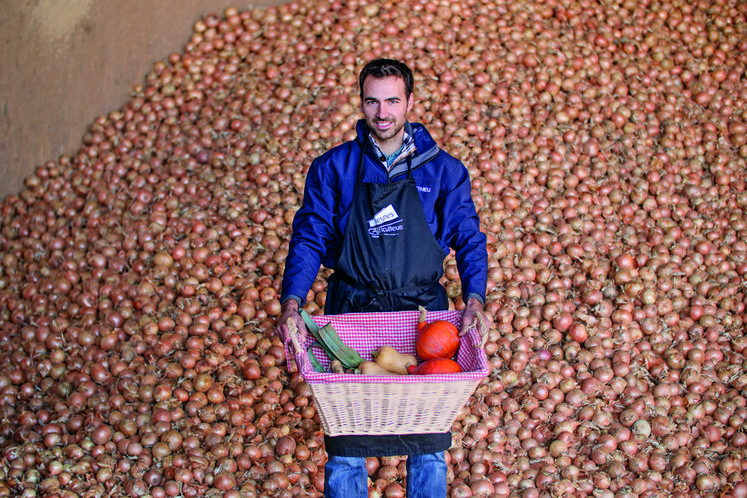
<point x="62" y="64"/>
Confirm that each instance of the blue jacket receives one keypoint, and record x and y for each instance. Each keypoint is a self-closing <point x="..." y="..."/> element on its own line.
<point x="445" y="191"/>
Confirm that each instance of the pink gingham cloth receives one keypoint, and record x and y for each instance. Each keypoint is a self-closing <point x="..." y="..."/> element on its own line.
<point x="366" y="332"/>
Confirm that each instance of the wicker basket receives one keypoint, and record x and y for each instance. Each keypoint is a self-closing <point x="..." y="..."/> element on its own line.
<point x="351" y="404"/>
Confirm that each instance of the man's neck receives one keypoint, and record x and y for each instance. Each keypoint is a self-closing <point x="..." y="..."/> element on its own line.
<point x="391" y="146"/>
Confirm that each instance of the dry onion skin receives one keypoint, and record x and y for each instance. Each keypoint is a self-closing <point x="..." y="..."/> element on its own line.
<point x="606" y="143"/>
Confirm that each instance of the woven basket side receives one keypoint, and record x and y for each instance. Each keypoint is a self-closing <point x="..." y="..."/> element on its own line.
<point x="351" y="404"/>
<point x="347" y="409"/>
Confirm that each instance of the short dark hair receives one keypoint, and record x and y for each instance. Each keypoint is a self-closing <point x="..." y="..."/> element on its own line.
<point x="381" y="68"/>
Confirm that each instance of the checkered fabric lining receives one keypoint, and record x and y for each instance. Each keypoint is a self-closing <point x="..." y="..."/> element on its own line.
<point x="365" y="332"/>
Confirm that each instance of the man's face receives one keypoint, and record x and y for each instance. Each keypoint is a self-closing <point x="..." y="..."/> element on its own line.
<point x="385" y="107"/>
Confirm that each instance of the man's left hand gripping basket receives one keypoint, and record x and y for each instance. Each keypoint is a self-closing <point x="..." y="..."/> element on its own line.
<point x="393" y="404"/>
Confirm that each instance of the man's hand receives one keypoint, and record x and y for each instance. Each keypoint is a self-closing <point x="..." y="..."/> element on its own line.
<point x="289" y="311"/>
<point x="474" y="315"/>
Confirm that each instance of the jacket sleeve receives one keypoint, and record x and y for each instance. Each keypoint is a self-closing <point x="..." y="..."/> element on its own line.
<point x="460" y="225"/>
<point x="313" y="229"/>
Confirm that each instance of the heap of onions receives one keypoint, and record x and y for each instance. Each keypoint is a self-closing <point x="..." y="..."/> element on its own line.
<point x="607" y="146"/>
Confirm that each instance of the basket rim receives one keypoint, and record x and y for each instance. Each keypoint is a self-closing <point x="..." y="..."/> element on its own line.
<point x="471" y="340"/>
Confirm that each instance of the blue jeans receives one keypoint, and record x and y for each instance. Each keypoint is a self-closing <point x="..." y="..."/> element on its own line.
<point x="346" y="477"/>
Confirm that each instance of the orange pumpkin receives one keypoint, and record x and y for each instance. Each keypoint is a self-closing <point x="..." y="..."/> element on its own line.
<point x="439" y="339"/>
<point x="435" y="366"/>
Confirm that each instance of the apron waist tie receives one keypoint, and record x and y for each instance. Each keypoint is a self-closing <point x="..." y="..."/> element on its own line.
<point x="410" y="289"/>
<point x="346" y="295"/>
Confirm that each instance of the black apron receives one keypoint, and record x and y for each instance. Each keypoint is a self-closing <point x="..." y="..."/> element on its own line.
<point x="389" y="261"/>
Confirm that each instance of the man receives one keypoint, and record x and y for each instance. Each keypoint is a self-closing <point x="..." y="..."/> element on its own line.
<point x="382" y="211"/>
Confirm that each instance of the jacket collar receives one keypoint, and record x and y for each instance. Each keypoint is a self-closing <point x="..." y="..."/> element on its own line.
<point x="425" y="147"/>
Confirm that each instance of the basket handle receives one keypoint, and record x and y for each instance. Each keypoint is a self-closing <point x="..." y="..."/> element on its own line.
<point x="294" y="343"/>
<point x="474" y="335"/>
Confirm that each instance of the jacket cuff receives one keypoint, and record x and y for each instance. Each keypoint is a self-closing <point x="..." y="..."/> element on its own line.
<point x="295" y="298"/>
<point x="476" y="296"/>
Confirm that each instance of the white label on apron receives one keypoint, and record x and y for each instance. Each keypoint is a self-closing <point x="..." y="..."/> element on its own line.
<point x="385" y="222"/>
<point x="385" y="215"/>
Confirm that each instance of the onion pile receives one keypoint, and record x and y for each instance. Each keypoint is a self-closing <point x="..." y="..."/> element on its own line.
<point x="607" y="145"/>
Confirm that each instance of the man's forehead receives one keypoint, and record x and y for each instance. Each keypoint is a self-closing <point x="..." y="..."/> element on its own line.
<point x="387" y="85"/>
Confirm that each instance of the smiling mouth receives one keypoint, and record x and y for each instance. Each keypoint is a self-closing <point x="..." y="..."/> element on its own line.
<point x="383" y="124"/>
